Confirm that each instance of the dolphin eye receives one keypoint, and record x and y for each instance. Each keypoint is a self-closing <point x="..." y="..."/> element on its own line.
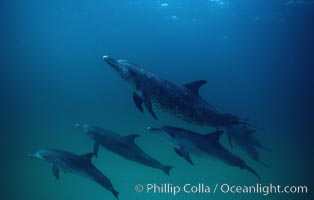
<point x="45" y="156"/>
<point x="172" y="135"/>
<point x="132" y="73"/>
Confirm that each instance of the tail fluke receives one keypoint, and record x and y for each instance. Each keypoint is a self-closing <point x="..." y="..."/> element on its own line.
<point x="230" y="140"/>
<point x="115" y="194"/>
<point x="253" y="153"/>
<point x="251" y="170"/>
<point x="166" y="169"/>
<point x="258" y="144"/>
<point x="265" y="148"/>
<point x="262" y="163"/>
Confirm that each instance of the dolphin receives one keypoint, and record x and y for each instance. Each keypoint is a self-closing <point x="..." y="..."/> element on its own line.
<point x="187" y="141"/>
<point x="244" y="138"/>
<point x="182" y="101"/>
<point x="122" y="145"/>
<point x="78" y="164"/>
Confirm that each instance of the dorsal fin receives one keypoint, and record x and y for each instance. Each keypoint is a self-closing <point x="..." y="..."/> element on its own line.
<point x="131" y="138"/>
<point x="195" y="86"/>
<point x="215" y="135"/>
<point x="87" y="157"/>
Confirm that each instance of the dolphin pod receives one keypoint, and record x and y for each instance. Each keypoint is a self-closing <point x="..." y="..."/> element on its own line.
<point x="182" y="101"/>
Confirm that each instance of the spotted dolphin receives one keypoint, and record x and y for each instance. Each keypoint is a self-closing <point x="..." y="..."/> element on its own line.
<point x="78" y="164"/>
<point x="187" y="142"/>
<point x="182" y="101"/>
<point x="122" y="145"/>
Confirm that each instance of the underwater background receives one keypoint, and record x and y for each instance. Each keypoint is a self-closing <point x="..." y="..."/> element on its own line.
<point x="257" y="57"/>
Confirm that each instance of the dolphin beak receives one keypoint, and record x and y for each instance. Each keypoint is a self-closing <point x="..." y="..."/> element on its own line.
<point x="113" y="63"/>
<point x="35" y="155"/>
<point x="82" y="127"/>
<point x="151" y="129"/>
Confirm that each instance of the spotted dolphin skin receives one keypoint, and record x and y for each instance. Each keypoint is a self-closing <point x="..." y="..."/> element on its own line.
<point x="78" y="164"/>
<point x="182" y="101"/>
<point x="122" y="145"/>
<point x="187" y="142"/>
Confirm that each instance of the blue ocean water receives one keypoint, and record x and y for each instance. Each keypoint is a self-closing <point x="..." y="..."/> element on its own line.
<point x="257" y="57"/>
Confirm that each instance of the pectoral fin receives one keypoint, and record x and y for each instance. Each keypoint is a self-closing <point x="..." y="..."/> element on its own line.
<point x="148" y="105"/>
<point x="96" y="148"/>
<point x="230" y="130"/>
<point x="181" y="152"/>
<point x="138" y="101"/>
<point x="55" y="171"/>
<point x="230" y="140"/>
